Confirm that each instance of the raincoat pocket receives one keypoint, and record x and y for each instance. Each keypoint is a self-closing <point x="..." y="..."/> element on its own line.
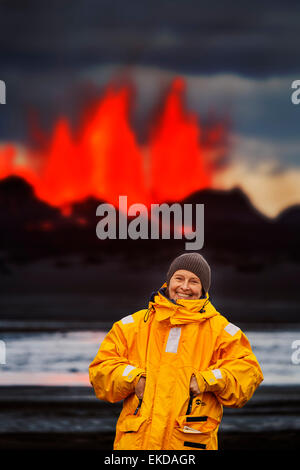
<point x="132" y="429"/>
<point x="191" y="424"/>
<point x="196" y="429"/>
<point x="194" y="432"/>
<point x="132" y="423"/>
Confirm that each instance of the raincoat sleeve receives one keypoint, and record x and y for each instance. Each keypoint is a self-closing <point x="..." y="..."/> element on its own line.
<point x="235" y="373"/>
<point x="111" y="374"/>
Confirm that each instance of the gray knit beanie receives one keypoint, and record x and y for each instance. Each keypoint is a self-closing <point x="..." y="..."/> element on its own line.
<point x="194" y="263"/>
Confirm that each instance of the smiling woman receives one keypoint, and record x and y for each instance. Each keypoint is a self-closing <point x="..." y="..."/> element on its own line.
<point x="184" y="285"/>
<point x="160" y="359"/>
<point x="188" y="277"/>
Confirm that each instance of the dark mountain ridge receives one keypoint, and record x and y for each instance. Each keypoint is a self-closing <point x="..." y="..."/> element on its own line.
<point x="234" y="231"/>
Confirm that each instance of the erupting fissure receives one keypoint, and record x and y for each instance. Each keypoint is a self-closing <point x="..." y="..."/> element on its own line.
<point x="105" y="160"/>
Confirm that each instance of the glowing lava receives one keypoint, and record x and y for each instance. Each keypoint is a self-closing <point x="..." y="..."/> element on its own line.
<point x="177" y="159"/>
<point x="105" y="160"/>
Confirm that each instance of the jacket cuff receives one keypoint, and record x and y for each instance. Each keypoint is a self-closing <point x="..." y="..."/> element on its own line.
<point x="212" y="380"/>
<point x="132" y="374"/>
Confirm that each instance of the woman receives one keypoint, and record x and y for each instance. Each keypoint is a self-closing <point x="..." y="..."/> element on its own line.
<point x="175" y="365"/>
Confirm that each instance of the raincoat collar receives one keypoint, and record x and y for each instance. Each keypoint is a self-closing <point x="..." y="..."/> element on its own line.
<point x="182" y="312"/>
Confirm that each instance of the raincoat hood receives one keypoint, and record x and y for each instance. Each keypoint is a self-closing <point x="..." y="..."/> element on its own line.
<point x="182" y="312"/>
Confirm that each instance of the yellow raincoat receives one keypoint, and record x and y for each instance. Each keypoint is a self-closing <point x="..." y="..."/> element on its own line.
<point x="168" y="343"/>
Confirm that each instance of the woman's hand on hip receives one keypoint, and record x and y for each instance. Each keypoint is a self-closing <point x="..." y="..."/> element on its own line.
<point x="140" y="387"/>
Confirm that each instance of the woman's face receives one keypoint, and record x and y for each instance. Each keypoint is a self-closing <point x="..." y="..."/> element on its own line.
<point x="184" y="285"/>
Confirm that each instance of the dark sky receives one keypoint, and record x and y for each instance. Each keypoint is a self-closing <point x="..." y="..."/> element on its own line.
<point x="57" y="55"/>
<point x="255" y="38"/>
